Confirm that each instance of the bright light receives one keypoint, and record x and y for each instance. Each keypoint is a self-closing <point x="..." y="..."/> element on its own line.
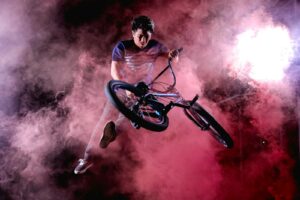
<point x="264" y="54"/>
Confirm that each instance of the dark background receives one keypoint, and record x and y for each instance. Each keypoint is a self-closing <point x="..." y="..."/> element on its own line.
<point x="55" y="59"/>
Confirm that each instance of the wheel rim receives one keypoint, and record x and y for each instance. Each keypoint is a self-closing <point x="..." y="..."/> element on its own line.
<point x="217" y="136"/>
<point x="209" y="124"/>
<point x="147" y="112"/>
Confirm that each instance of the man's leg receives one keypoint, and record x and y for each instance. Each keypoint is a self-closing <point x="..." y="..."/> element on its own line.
<point x="110" y="131"/>
<point x="86" y="162"/>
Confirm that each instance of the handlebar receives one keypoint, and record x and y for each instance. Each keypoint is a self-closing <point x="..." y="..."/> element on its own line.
<point x="167" y="67"/>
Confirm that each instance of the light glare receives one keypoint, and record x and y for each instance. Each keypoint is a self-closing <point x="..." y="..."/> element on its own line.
<point x="264" y="54"/>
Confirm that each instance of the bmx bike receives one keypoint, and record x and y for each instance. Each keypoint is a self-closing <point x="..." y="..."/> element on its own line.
<point x="148" y="107"/>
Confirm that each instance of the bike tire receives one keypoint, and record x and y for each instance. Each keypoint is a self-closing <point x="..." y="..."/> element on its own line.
<point x="160" y="121"/>
<point x="201" y="118"/>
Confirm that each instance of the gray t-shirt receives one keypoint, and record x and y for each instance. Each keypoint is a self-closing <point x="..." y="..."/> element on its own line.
<point x="137" y="63"/>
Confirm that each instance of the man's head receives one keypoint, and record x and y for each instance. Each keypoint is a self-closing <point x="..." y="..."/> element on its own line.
<point x="142" y="29"/>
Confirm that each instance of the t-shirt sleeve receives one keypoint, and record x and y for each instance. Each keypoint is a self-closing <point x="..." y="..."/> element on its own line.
<point x="118" y="52"/>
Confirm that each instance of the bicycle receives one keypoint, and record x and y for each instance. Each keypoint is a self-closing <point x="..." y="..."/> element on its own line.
<point x="148" y="107"/>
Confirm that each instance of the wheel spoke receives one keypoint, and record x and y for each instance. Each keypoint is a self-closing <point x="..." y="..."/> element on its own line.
<point x="205" y="121"/>
<point x="137" y="109"/>
<point x="148" y="113"/>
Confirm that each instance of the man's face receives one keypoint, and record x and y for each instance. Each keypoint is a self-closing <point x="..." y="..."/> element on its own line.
<point x="141" y="37"/>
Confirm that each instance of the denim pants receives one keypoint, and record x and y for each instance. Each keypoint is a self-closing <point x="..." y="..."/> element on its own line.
<point x="109" y="113"/>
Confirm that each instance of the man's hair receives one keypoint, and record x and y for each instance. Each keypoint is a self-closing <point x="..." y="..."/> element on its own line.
<point x="142" y="22"/>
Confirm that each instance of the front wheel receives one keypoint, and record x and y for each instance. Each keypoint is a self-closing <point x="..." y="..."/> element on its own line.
<point x="128" y="99"/>
<point x="205" y="121"/>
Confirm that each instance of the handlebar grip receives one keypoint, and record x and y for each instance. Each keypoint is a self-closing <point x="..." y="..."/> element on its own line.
<point x="178" y="50"/>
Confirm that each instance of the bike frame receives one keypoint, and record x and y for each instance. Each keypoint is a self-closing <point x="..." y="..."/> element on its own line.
<point x="180" y="101"/>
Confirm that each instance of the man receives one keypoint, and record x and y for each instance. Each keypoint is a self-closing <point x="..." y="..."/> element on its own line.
<point x="132" y="61"/>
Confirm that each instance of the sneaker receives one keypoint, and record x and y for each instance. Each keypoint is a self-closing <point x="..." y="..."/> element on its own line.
<point x="82" y="166"/>
<point x="109" y="134"/>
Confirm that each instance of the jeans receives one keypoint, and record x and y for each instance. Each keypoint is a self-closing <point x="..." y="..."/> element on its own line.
<point x="109" y="114"/>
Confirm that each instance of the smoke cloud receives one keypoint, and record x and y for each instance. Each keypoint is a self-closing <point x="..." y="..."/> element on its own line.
<point x="55" y="62"/>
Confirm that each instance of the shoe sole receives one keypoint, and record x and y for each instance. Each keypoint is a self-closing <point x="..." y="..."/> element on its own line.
<point x="109" y="135"/>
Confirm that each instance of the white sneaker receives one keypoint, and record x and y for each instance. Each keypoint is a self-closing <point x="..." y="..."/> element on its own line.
<point x="82" y="166"/>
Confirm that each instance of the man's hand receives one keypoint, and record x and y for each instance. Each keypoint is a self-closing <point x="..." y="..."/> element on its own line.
<point x="174" y="54"/>
<point x="129" y="94"/>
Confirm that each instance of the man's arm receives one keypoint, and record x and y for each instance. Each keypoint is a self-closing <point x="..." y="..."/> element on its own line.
<point x="115" y="70"/>
<point x="116" y="75"/>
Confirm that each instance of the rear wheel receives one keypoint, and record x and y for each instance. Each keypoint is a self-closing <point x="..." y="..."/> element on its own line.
<point x="205" y="121"/>
<point x="129" y="101"/>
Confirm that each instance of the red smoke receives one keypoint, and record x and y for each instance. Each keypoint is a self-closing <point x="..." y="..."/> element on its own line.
<point x="69" y="50"/>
